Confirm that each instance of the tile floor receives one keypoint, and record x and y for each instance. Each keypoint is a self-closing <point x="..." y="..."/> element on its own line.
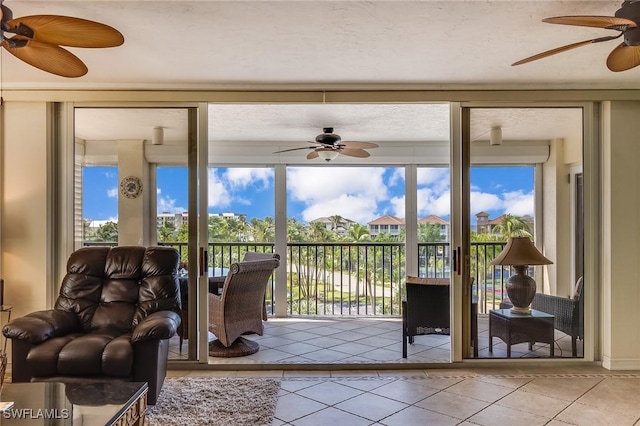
<point x="474" y="396"/>
<point x="348" y="340"/>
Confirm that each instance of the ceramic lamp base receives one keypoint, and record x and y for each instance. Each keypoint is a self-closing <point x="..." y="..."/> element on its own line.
<point x="523" y="311"/>
<point x="521" y="289"/>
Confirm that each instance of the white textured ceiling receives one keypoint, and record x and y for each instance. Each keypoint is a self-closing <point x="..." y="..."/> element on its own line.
<point x="333" y="44"/>
<point x="190" y="44"/>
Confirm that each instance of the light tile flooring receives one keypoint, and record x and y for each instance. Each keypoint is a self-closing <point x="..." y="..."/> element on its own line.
<point x="348" y="340"/>
<point x="474" y="396"/>
<point x="327" y="394"/>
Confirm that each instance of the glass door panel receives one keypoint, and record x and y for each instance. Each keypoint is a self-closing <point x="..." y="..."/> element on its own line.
<point x="141" y="145"/>
<point x="520" y="160"/>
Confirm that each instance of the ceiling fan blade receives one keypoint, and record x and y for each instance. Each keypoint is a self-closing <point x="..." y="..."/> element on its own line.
<point x="296" y="149"/>
<point x="358" y="144"/>
<point x="66" y="31"/>
<point x="623" y="58"/>
<point x="350" y="152"/>
<point x="47" y="57"/>
<point x="312" y="155"/>
<point x="607" y="22"/>
<point x="553" y="51"/>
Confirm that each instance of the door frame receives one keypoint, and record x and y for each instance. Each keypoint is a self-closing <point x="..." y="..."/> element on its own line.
<point x="460" y="218"/>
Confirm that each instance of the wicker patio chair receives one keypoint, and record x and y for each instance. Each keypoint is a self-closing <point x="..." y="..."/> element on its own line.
<point x="239" y="309"/>
<point x="568" y="312"/>
<point x="425" y="310"/>
<point x="248" y="256"/>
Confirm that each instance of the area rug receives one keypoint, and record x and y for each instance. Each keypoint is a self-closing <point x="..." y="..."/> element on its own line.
<point x="214" y="401"/>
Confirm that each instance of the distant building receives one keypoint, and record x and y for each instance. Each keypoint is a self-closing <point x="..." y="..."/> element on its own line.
<point x="176" y="220"/>
<point x="393" y="225"/>
<point x="437" y="220"/>
<point x="172" y="220"/>
<point x="484" y="225"/>
<point x="341" y="229"/>
<point x="386" y="225"/>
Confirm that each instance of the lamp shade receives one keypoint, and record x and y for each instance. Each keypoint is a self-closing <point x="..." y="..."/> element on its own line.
<point x="520" y="251"/>
<point x="327" y="154"/>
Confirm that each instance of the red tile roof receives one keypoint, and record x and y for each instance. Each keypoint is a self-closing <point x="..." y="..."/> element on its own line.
<point x="387" y="220"/>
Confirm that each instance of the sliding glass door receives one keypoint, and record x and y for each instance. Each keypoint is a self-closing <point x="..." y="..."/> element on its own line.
<point x="517" y="163"/>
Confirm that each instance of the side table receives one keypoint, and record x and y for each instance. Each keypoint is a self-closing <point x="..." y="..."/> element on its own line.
<point x="515" y="328"/>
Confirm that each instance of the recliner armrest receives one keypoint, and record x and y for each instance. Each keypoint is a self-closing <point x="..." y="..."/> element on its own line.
<point x="157" y="326"/>
<point x="39" y="326"/>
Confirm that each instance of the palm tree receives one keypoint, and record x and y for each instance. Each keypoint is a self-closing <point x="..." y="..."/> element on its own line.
<point x="336" y="221"/>
<point x="107" y="232"/>
<point x="429" y="233"/>
<point x="513" y="226"/>
<point x="319" y="232"/>
<point x="295" y="230"/>
<point x="358" y="233"/>
<point x="165" y="232"/>
<point x="262" y="230"/>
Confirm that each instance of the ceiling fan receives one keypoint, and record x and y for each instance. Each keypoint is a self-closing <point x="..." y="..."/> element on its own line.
<point x="328" y="146"/>
<point x="37" y="40"/>
<point x="626" y="20"/>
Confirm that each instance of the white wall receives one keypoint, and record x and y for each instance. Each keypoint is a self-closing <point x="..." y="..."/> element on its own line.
<point x="25" y="220"/>
<point x="132" y="212"/>
<point x="556" y="219"/>
<point x="620" y="275"/>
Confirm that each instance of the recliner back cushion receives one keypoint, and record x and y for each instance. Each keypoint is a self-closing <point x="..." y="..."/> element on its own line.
<point x="113" y="289"/>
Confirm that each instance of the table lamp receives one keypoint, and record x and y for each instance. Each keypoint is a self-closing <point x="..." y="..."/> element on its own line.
<point x="521" y="288"/>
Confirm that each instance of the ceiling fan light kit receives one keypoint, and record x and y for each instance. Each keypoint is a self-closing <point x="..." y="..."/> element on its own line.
<point x="626" y="20"/>
<point x="327" y="154"/>
<point x="37" y="39"/>
<point x="329" y="145"/>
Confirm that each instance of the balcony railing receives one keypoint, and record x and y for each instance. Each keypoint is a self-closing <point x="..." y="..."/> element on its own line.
<point x="359" y="278"/>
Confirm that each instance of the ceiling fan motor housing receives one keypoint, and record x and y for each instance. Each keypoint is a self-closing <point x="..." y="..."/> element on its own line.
<point x="631" y="10"/>
<point x="328" y="137"/>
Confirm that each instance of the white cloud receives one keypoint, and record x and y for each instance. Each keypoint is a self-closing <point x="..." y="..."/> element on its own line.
<point x="433" y="175"/>
<point x="484" y="201"/>
<point x="397" y="206"/>
<point x="435" y="202"/>
<point x="112" y="193"/>
<point x="351" y="192"/>
<point x="218" y="195"/>
<point x="242" y="177"/>
<point x="518" y="203"/>
<point x="168" y="205"/>
<point x="397" y="176"/>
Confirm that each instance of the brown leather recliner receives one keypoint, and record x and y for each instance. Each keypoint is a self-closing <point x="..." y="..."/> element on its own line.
<point x="116" y="310"/>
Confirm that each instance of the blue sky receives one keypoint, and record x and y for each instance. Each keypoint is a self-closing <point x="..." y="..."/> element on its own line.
<point x="356" y="193"/>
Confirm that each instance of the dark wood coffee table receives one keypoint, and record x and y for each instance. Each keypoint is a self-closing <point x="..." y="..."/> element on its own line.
<point x="48" y="403"/>
<point x="515" y="328"/>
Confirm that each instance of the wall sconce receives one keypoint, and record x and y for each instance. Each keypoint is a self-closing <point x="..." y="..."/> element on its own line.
<point x="158" y="136"/>
<point x="496" y="136"/>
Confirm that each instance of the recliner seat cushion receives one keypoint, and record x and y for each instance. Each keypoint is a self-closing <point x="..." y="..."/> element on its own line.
<point x="92" y="354"/>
